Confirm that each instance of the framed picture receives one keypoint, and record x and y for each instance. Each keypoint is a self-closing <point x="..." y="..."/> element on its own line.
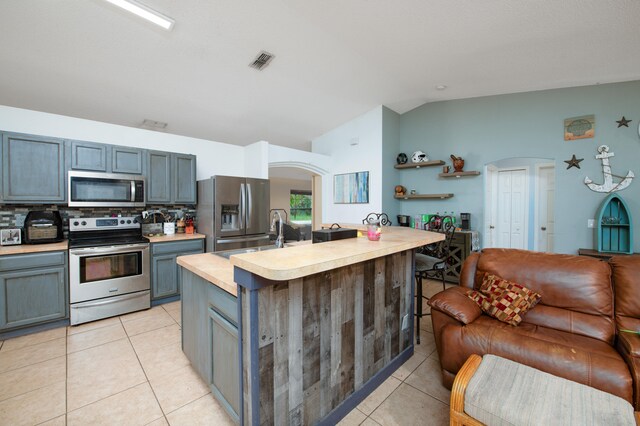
<point x="10" y="237"/>
<point x="579" y="127"/>
<point x="351" y="188"/>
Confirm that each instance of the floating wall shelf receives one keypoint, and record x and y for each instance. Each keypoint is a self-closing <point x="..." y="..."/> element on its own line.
<point x="458" y="174"/>
<point x="423" y="196"/>
<point x="418" y="165"/>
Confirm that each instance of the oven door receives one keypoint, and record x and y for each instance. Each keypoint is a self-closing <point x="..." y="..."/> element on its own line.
<point x="98" y="272"/>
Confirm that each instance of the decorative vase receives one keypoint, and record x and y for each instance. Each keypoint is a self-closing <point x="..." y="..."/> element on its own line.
<point x="458" y="163"/>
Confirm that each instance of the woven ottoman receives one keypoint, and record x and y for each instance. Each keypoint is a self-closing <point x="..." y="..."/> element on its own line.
<point x="496" y="391"/>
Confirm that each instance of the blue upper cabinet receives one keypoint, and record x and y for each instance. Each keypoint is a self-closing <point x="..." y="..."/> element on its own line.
<point x="615" y="226"/>
<point x="88" y="156"/>
<point x="184" y="181"/>
<point x="126" y="160"/>
<point x="171" y="178"/>
<point x="33" y="169"/>
<point x="158" y="177"/>
<point x="100" y="157"/>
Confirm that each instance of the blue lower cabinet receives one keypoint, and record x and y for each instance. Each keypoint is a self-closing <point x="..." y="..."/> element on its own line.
<point x="225" y="365"/>
<point x="33" y="295"/>
<point x="165" y="277"/>
<point x="210" y="338"/>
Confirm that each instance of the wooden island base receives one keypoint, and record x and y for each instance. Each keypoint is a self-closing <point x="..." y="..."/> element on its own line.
<point x="314" y="347"/>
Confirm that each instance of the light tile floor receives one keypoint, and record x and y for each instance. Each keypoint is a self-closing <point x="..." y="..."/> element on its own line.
<point x="131" y="370"/>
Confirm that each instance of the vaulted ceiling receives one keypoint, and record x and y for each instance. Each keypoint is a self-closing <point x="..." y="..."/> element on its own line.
<point x="334" y="59"/>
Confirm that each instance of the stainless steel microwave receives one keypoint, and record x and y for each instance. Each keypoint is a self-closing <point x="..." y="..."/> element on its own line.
<point x="91" y="189"/>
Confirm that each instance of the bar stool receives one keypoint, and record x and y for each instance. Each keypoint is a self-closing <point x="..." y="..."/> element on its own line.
<point x="431" y="261"/>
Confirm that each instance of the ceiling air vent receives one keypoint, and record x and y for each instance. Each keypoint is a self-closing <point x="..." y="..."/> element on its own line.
<point x="154" y="125"/>
<point x="262" y="60"/>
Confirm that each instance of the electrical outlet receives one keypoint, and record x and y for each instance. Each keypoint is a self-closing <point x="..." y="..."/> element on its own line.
<point x="591" y="223"/>
<point x="405" y="322"/>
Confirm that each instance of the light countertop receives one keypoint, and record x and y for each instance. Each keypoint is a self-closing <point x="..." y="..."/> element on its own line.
<point x="215" y="269"/>
<point x="33" y="248"/>
<point x="304" y="259"/>
<point x="296" y="262"/>
<point x="175" y="237"/>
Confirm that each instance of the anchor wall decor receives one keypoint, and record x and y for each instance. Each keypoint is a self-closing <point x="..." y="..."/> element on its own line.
<point x="609" y="185"/>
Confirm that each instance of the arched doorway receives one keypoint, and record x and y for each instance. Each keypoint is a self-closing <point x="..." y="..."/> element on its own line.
<point x="296" y="188"/>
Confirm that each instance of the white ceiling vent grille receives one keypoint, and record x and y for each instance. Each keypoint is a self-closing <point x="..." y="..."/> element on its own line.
<point x="262" y="60"/>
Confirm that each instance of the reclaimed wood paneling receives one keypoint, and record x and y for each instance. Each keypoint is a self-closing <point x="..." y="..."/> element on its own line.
<point x="281" y="353"/>
<point x="324" y="336"/>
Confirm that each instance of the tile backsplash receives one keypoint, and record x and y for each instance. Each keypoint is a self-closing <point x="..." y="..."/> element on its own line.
<point x="10" y="214"/>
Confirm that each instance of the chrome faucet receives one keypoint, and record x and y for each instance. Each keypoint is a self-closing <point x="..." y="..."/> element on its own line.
<point x="280" y="238"/>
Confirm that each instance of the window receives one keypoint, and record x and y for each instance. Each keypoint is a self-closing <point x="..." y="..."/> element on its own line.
<point x="300" y="206"/>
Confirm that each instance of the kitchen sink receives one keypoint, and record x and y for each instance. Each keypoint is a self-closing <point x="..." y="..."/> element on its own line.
<point x="228" y="253"/>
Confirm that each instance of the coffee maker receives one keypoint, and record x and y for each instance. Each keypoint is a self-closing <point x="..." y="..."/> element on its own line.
<point x="465" y="221"/>
<point x="403" y="219"/>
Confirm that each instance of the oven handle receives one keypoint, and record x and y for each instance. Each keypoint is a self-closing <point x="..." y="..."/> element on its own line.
<point x="108" y="301"/>
<point x="108" y="250"/>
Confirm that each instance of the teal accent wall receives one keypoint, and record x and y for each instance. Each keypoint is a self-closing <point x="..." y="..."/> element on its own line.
<point x="485" y="130"/>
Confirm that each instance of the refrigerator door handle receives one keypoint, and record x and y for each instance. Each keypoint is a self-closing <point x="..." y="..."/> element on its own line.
<point x="243" y="200"/>
<point x="249" y="205"/>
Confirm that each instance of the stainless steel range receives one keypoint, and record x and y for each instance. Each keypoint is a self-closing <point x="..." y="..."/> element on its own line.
<point x="108" y="268"/>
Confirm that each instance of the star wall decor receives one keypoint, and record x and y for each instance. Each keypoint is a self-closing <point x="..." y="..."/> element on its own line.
<point x="623" y="122"/>
<point x="574" y="162"/>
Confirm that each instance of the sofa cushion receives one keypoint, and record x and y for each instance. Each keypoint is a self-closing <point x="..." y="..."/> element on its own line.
<point x="504" y="300"/>
<point x="582" y="359"/>
<point x="580" y="285"/>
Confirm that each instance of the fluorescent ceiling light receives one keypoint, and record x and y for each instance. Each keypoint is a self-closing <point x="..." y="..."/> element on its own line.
<point x="145" y="12"/>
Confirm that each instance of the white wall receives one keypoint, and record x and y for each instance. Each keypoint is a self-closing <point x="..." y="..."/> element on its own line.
<point x="365" y="132"/>
<point x="280" y="189"/>
<point x="213" y="157"/>
<point x="256" y="160"/>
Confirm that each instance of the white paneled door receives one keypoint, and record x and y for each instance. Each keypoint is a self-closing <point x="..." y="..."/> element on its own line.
<point x="512" y="209"/>
<point x="545" y="221"/>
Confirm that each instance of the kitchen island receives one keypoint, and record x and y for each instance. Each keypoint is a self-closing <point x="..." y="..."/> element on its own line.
<point x="310" y="331"/>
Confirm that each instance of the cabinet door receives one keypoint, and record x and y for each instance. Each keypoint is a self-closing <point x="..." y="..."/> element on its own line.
<point x="126" y="160"/>
<point x="164" y="276"/>
<point x="88" y="156"/>
<point x="225" y="379"/>
<point x="158" y="177"/>
<point x="32" y="296"/>
<point x="33" y="169"/>
<point x="184" y="179"/>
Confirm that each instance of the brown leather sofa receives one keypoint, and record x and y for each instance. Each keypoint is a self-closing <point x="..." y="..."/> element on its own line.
<point x="572" y="332"/>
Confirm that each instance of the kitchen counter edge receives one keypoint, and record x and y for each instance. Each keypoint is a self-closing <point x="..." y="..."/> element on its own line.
<point x="175" y="237"/>
<point x="33" y="248"/>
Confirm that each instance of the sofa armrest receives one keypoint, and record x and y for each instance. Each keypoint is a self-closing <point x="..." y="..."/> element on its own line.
<point x="455" y="303"/>
<point x="628" y="344"/>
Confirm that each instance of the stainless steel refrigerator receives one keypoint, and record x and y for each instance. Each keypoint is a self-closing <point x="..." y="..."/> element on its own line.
<point x="233" y="212"/>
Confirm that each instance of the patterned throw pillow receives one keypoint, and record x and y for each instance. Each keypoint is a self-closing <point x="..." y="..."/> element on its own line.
<point x="504" y="300"/>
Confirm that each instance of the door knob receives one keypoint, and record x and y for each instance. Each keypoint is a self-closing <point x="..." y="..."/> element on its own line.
<point x="492" y="227"/>
<point x="544" y="228"/>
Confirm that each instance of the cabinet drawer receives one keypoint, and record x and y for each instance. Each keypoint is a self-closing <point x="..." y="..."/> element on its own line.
<point x="177" y="247"/>
<point x="29" y="261"/>
<point x="224" y="303"/>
